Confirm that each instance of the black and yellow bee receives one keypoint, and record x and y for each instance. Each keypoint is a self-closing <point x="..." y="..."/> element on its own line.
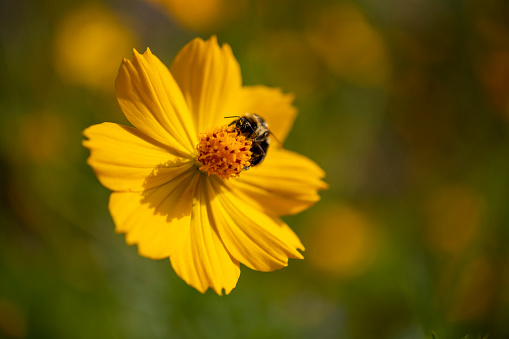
<point x="255" y="129"/>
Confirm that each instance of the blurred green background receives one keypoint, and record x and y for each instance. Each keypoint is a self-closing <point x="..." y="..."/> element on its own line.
<point x="405" y="104"/>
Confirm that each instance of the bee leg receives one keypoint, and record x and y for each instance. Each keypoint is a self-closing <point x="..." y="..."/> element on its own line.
<point x="258" y="154"/>
<point x="262" y="137"/>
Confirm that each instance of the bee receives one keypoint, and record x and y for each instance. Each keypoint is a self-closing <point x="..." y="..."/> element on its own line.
<point x="255" y="129"/>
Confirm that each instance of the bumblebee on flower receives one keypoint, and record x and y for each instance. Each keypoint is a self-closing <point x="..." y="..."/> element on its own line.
<point x="187" y="185"/>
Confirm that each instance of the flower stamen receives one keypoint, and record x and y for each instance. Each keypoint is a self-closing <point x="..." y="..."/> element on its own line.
<point x="224" y="152"/>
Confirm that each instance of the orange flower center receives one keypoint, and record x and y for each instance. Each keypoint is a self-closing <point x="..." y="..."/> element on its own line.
<point x="223" y="152"/>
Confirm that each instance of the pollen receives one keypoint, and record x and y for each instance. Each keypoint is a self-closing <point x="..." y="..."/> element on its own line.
<point x="224" y="152"/>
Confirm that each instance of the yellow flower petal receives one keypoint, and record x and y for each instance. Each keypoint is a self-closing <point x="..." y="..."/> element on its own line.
<point x="203" y="261"/>
<point x="272" y="105"/>
<point x="159" y="219"/>
<point x="124" y="159"/>
<point x="288" y="234"/>
<point x="252" y="237"/>
<point x="152" y="101"/>
<point x="209" y="77"/>
<point x="207" y="226"/>
<point x="285" y="183"/>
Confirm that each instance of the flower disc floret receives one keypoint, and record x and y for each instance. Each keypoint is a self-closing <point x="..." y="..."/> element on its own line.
<point x="224" y="152"/>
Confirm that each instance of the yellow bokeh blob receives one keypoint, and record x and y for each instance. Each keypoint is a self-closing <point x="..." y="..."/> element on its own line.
<point x="453" y="218"/>
<point x="349" y="46"/>
<point x="13" y="321"/>
<point x="342" y="242"/>
<point x="43" y="136"/>
<point x="302" y="74"/>
<point x="89" y="46"/>
<point x="203" y="15"/>
<point x="474" y="294"/>
<point x="492" y="59"/>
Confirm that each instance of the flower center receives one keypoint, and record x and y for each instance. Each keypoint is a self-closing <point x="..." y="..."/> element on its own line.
<point x="222" y="151"/>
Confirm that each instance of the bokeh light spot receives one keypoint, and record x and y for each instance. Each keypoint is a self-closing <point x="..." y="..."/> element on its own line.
<point x="13" y="322"/>
<point x="474" y="294"/>
<point x="43" y="136"/>
<point x="89" y="45"/>
<point x="342" y="242"/>
<point x="350" y="46"/>
<point x="203" y="15"/>
<point x="454" y="215"/>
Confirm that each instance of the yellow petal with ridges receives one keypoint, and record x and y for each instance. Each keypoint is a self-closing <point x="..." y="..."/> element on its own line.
<point x="285" y="183"/>
<point x="251" y="236"/>
<point x="207" y="226"/>
<point x="203" y="261"/>
<point x="124" y="159"/>
<point x="209" y="77"/>
<point x="272" y="105"/>
<point x="152" y="101"/>
<point x="157" y="220"/>
<point x="289" y="235"/>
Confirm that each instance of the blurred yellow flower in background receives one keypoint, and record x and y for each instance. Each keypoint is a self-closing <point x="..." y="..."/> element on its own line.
<point x="349" y="46"/>
<point x="164" y="200"/>
<point x="454" y="215"/>
<point x="343" y="242"/>
<point x="203" y="15"/>
<point x="43" y="135"/>
<point x="303" y="73"/>
<point x="88" y="44"/>
<point x="492" y="61"/>
<point x="474" y="294"/>
<point x="13" y="321"/>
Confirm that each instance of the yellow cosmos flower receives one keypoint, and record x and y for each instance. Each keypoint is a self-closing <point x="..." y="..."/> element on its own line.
<point x="211" y="214"/>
